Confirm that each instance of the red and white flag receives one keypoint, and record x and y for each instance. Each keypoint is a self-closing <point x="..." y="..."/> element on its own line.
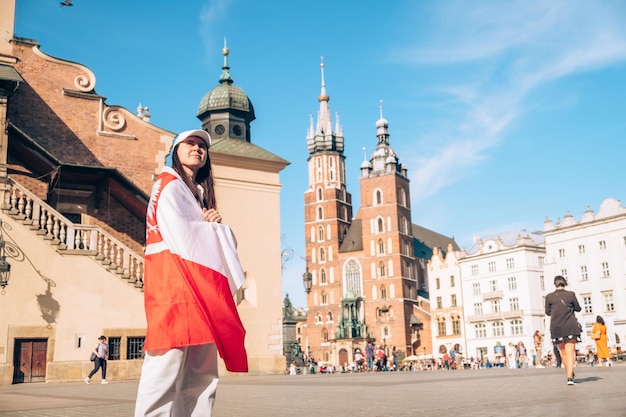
<point x="192" y="271"/>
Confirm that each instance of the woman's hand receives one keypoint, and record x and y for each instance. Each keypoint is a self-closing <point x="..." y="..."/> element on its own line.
<point x="211" y="215"/>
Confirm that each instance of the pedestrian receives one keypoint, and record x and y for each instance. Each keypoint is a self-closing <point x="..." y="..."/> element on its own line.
<point x="369" y="354"/>
<point x="292" y="368"/>
<point x="522" y="357"/>
<point x="561" y="306"/>
<point x="538" y="342"/>
<point x="101" y="352"/>
<point x="191" y="274"/>
<point x="598" y="333"/>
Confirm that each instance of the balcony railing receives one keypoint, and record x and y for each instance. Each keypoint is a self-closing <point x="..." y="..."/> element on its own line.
<point x="72" y="238"/>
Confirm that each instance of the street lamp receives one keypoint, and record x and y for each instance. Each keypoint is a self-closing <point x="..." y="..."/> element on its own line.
<point x="307" y="280"/>
<point x="5" y="267"/>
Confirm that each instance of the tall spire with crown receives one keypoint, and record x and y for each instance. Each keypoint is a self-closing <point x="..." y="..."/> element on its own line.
<point x="322" y="138"/>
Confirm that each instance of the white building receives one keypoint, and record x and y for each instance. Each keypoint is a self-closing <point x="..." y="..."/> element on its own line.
<point x="503" y="282"/>
<point x="591" y="254"/>
<point x="446" y="297"/>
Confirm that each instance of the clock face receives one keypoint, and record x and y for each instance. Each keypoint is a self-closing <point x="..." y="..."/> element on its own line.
<point x="237" y="130"/>
<point x="219" y="129"/>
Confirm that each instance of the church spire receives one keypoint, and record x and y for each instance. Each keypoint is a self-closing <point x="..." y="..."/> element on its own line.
<point x="324" y="124"/>
<point x="323" y="138"/>
<point x="225" y="77"/>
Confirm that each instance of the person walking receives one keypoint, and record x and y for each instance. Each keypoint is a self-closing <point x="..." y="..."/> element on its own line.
<point x="191" y="274"/>
<point x="522" y="357"/>
<point x="538" y="342"/>
<point x="598" y="333"/>
<point x="561" y="306"/>
<point x="100" y="362"/>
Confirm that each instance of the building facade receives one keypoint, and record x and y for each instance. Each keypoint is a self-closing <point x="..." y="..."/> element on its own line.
<point x="591" y="254"/>
<point x="369" y="278"/>
<point x="75" y="177"/>
<point x="446" y="294"/>
<point x="503" y="284"/>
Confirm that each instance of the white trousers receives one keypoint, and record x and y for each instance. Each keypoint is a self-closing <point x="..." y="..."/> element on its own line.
<point x="180" y="382"/>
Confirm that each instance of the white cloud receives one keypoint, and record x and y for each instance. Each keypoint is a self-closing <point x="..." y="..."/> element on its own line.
<point x="521" y="46"/>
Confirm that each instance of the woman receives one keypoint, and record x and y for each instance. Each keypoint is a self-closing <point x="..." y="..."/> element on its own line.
<point x="538" y="342"/>
<point x="602" y="345"/>
<point x="560" y="306"/>
<point x="191" y="273"/>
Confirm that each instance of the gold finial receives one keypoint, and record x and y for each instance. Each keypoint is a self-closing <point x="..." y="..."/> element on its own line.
<point x="225" y="50"/>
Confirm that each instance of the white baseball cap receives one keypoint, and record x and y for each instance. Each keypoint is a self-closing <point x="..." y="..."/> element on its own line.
<point x="203" y="134"/>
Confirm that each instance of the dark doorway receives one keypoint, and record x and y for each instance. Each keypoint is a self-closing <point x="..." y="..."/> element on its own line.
<point x="29" y="360"/>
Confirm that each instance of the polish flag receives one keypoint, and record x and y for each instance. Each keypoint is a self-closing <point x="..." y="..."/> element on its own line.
<point x="192" y="272"/>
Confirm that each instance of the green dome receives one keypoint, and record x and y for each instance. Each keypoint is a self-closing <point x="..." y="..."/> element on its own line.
<point x="225" y="97"/>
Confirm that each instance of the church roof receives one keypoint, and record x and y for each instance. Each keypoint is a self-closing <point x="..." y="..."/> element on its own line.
<point x="237" y="147"/>
<point x="226" y="96"/>
<point x="353" y="241"/>
<point x="426" y="240"/>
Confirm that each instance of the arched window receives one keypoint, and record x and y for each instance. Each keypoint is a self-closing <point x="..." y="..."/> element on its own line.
<point x="381" y="247"/>
<point x="381" y="269"/>
<point x="456" y="325"/>
<point x="353" y="277"/>
<point x="320" y="214"/>
<point x="381" y="226"/>
<point x="324" y="298"/>
<point x="322" y="276"/>
<point x="332" y="169"/>
<point x="329" y="317"/>
<point x="383" y="292"/>
<point x="320" y="234"/>
<point x="378" y="195"/>
<point x="318" y="318"/>
<point x="319" y="194"/>
<point x="322" y="255"/>
<point x="402" y="197"/>
<point x="324" y="335"/>
<point x="441" y="326"/>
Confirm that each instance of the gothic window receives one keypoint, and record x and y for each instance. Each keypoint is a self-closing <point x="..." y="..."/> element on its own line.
<point x="329" y="316"/>
<point x="332" y="169"/>
<point x="383" y="292"/>
<point x="403" y="197"/>
<point x="320" y="214"/>
<point x="320" y="233"/>
<point x="324" y="298"/>
<point x="318" y="318"/>
<point x="352" y="275"/>
<point x="378" y="198"/>
<point x="322" y="276"/>
<point x="456" y="325"/>
<point x="381" y="269"/>
<point x="404" y="225"/>
<point x="320" y="197"/>
<point x="381" y="226"/>
<point x="381" y="247"/>
<point x="441" y="326"/>
<point x="324" y="335"/>
<point x="322" y="255"/>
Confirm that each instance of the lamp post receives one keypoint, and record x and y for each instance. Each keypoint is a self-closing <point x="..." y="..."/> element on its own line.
<point x="307" y="280"/>
<point x="5" y="267"/>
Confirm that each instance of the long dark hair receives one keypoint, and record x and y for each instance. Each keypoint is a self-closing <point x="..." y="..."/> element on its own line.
<point x="204" y="178"/>
<point x="600" y="320"/>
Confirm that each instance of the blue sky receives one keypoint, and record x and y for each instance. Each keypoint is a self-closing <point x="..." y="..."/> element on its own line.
<point x="504" y="112"/>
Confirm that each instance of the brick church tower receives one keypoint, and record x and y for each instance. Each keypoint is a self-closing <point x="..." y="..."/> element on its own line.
<point x="368" y="272"/>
